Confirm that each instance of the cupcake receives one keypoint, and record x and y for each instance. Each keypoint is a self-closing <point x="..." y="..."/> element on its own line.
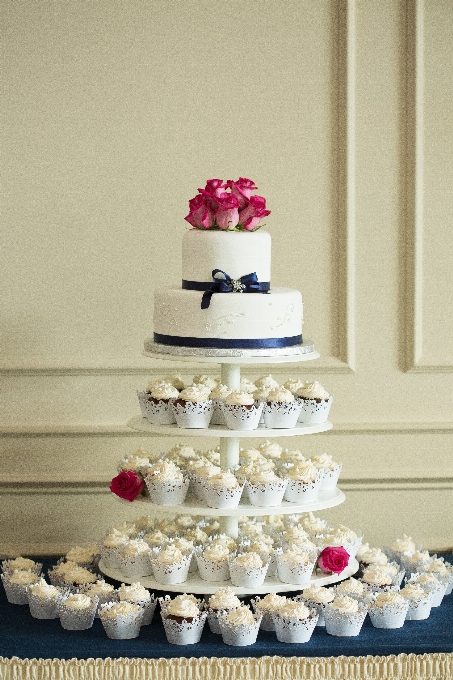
<point x="265" y="488"/>
<point x="400" y="546"/>
<point x="304" y="481"/>
<point x="183" y="620"/>
<point x="419" y="601"/>
<point x="317" y="597"/>
<point x="181" y="455"/>
<point x="247" y="570"/>
<point x="266" y="552"/>
<point x="352" y="587"/>
<point x="387" y="610"/>
<point x="70" y="576"/>
<point x="267" y="607"/>
<point x="166" y="483"/>
<point x="170" y="565"/>
<point x="135" y="558"/>
<point x="239" y="627"/>
<point x="315" y="403"/>
<point x="222" y="490"/>
<point x="223" y="600"/>
<point x="85" y="556"/>
<point x="443" y="571"/>
<point x="296" y="565"/>
<point x="281" y="409"/>
<point x="21" y="564"/>
<point x="344" y="616"/>
<point x="207" y="382"/>
<point x="212" y="562"/>
<point x="159" y="404"/>
<point x="331" y="470"/>
<point x="431" y="585"/>
<point x="121" y="620"/>
<point x="104" y="592"/>
<point x="16" y="585"/>
<point x="241" y="412"/>
<point x="266" y="382"/>
<point x="343" y="535"/>
<point x="294" y="622"/>
<point x="377" y="579"/>
<point x="417" y="561"/>
<point x="138" y="462"/>
<point x="138" y="594"/>
<point x="42" y="600"/>
<point x="270" y="450"/>
<point x="218" y="396"/>
<point x="193" y="408"/>
<point x="110" y="547"/>
<point x="77" y="611"/>
<point x="294" y="384"/>
<point x="313" y="525"/>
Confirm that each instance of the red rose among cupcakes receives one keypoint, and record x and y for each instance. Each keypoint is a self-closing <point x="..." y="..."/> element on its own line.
<point x="333" y="559"/>
<point x="128" y="485"/>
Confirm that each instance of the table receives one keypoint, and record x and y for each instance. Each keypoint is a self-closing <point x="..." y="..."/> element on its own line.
<point x="43" y="649"/>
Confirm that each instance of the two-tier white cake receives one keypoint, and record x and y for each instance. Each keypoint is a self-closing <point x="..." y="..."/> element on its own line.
<point x="228" y="308"/>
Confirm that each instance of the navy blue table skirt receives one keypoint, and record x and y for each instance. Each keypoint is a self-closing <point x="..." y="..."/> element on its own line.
<point x="25" y="637"/>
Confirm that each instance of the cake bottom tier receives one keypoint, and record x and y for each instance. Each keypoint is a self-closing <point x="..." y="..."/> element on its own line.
<point x="196" y="585"/>
<point x="232" y="321"/>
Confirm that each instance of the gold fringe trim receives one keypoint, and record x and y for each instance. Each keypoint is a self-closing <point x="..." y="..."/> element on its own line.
<point x="401" y="667"/>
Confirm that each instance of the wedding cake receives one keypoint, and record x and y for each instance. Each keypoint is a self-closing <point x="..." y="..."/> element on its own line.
<point x="226" y="301"/>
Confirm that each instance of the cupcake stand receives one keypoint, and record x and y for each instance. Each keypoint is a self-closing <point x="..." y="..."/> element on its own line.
<point x="229" y="458"/>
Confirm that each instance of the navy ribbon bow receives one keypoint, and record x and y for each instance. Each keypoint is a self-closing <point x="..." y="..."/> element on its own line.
<point x="246" y="284"/>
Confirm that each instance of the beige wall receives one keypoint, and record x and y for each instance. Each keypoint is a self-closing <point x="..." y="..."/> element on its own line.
<point x="114" y="114"/>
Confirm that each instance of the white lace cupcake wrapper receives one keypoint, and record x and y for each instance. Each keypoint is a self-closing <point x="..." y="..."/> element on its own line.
<point x="217" y="413"/>
<point x="239" y="635"/>
<point x="330" y="478"/>
<point x="77" y="619"/>
<point x="242" y="417"/>
<point x="143" y="400"/>
<point x="185" y="633"/>
<point x="212" y="570"/>
<point x="295" y="573"/>
<point x="194" y="414"/>
<point x="16" y="593"/>
<point x="43" y="607"/>
<point x="122" y="627"/>
<point x="419" y="610"/>
<point x="291" y="630"/>
<point x="314" y="412"/>
<point x="160" y="413"/>
<point x="282" y="416"/>
<point x="110" y="557"/>
<point x="267" y="622"/>
<point x="301" y="492"/>
<point x="140" y="565"/>
<point x="389" y="616"/>
<point x="171" y="573"/>
<point x="344" y="625"/>
<point x="247" y="577"/>
<point x="319" y="608"/>
<point x="167" y="493"/>
<point x="221" y="497"/>
<point x="266" y="495"/>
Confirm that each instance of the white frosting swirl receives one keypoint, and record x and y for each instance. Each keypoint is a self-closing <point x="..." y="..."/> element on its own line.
<point x="296" y="610"/>
<point x="313" y="390"/>
<point x="345" y="605"/>
<point x="270" y="449"/>
<point x="376" y="575"/>
<point x="413" y="591"/>
<point x="135" y="547"/>
<point x="271" y="602"/>
<point x="165" y="391"/>
<point x="220" y="391"/>
<point x="183" y="606"/>
<point x="224" y="479"/>
<point x="246" y="385"/>
<point x="240" y="398"/>
<point x="318" y="594"/>
<point x="120" y="609"/>
<point x="21" y="563"/>
<point x="195" y="393"/>
<point x="263" y="477"/>
<point x="206" y="381"/>
<point x="390" y="598"/>
<point x="100" y="588"/>
<point x="224" y="598"/>
<point x="170" y="555"/>
<point x="294" y="384"/>
<point x="240" y="616"/>
<point x="303" y="471"/>
<point x="165" y="471"/>
<point x="280" y="395"/>
<point x="133" y="593"/>
<point x="352" y="585"/>
<point x="216" y="552"/>
<point x="267" y="381"/>
<point x="324" y="461"/>
<point x="249" y="560"/>
<point x="43" y="589"/>
<point x="78" y="601"/>
<point x="404" y="544"/>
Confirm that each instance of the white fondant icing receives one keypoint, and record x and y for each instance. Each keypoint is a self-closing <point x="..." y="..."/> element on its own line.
<point x="236" y="253"/>
<point x="277" y="314"/>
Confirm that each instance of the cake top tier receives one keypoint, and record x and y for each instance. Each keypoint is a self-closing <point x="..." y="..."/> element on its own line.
<point x="237" y="253"/>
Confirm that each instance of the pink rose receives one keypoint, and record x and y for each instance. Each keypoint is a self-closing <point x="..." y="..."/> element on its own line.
<point x="252" y="214"/>
<point x="227" y="214"/>
<point x="333" y="559"/>
<point x="242" y="189"/>
<point x="201" y="214"/>
<point x="127" y="485"/>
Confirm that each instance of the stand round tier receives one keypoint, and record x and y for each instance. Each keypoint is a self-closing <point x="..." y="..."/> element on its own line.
<point x="192" y="506"/>
<point x="142" y="425"/>
<point x="198" y="586"/>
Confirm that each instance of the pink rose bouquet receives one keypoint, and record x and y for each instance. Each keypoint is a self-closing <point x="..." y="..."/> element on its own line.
<point x="333" y="559"/>
<point x="228" y="206"/>
<point x="128" y="485"/>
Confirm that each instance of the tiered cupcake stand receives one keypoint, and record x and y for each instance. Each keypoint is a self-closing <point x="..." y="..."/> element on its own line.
<point x="229" y="458"/>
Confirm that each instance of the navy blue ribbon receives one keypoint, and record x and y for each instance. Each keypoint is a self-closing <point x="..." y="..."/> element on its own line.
<point x="223" y="343"/>
<point x="246" y="284"/>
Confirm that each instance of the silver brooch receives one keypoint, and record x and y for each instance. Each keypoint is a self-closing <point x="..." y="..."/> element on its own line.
<point x="236" y="286"/>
